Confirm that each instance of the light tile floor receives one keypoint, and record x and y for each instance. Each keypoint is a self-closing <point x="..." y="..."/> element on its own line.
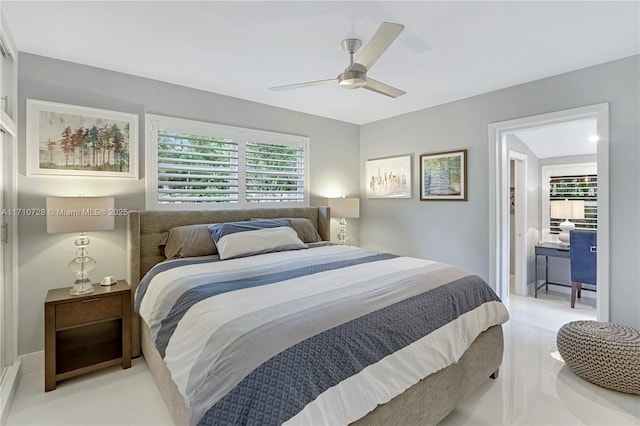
<point x="534" y="386"/>
<point x="112" y="396"/>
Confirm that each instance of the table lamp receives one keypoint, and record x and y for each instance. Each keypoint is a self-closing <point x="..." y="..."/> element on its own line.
<point x="80" y="214"/>
<point x="344" y="208"/>
<point x="566" y="209"/>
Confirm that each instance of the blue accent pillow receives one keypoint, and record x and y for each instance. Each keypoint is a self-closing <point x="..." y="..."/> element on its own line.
<point x="219" y="230"/>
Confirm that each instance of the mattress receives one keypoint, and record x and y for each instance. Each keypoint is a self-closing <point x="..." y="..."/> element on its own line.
<point x="322" y="335"/>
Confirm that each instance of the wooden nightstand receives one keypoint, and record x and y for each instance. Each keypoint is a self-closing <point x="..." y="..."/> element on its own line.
<point x="85" y="333"/>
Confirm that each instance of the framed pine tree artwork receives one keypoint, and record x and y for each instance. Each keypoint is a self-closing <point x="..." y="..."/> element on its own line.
<point x="69" y="140"/>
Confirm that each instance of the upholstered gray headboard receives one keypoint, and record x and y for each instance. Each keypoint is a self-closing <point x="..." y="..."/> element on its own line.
<point x="147" y="229"/>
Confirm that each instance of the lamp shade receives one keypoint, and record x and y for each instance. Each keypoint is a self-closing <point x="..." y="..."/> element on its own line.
<point x="79" y="214"/>
<point x="566" y="209"/>
<point x="345" y="207"/>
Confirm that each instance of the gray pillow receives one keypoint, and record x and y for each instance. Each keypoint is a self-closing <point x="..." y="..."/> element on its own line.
<point x="304" y="228"/>
<point x="189" y="241"/>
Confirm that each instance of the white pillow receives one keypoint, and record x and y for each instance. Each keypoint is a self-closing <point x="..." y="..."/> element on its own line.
<point x="259" y="241"/>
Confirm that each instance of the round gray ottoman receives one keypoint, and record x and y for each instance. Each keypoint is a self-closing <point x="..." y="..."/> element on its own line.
<point x="603" y="353"/>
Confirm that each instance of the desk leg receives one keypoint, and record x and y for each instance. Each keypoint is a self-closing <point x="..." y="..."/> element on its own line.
<point x="535" y="287"/>
<point x="546" y="273"/>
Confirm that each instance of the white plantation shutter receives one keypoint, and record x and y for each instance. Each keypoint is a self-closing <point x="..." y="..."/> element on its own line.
<point x="274" y="172"/>
<point x="196" y="169"/>
<point x="202" y="165"/>
<point x="577" y="187"/>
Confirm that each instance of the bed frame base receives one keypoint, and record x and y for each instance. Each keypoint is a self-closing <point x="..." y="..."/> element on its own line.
<point x="426" y="403"/>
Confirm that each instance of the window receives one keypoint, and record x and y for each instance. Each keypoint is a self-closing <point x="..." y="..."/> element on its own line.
<point x="203" y="165"/>
<point x="580" y="187"/>
<point x="274" y="172"/>
<point x="569" y="182"/>
<point x="196" y="168"/>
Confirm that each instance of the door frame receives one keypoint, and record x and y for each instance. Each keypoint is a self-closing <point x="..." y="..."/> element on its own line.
<point x="9" y="169"/>
<point x="499" y="195"/>
<point x="520" y="219"/>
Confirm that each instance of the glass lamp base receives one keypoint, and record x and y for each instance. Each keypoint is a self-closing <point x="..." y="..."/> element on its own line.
<point x="343" y="235"/>
<point x="564" y="237"/>
<point x="84" y="287"/>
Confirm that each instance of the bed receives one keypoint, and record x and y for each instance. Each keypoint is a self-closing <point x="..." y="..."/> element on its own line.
<point x="426" y="394"/>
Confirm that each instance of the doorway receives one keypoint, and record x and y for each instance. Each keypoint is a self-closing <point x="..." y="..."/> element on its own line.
<point x="499" y="195"/>
<point x="518" y="219"/>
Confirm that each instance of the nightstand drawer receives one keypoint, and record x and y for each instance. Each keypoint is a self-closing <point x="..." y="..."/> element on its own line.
<point x="87" y="310"/>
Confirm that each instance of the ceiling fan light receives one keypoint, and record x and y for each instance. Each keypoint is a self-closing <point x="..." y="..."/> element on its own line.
<point x="353" y="83"/>
<point x="352" y="79"/>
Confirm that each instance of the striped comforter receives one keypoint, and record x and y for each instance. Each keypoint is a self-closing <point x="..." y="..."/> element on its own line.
<point x="315" y="336"/>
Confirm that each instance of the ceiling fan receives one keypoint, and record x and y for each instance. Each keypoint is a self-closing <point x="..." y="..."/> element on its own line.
<point x="355" y="75"/>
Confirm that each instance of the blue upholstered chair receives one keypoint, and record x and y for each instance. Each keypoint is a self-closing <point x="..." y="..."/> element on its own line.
<point x="583" y="261"/>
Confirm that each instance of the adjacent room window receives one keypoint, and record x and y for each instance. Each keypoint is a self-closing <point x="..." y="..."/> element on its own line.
<point x="569" y="182"/>
<point x="203" y="165"/>
<point x="579" y="187"/>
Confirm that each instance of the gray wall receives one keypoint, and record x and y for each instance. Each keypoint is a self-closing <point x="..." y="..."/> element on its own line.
<point x="43" y="258"/>
<point x="458" y="232"/>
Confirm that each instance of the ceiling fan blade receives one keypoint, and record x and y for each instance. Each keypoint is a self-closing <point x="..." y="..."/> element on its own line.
<point x="380" y="41"/>
<point x="383" y="89"/>
<point x="300" y="85"/>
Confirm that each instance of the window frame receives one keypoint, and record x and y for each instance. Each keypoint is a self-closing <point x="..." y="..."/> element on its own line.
<point x="242" y="135"/>
<point x="571" y="169"/>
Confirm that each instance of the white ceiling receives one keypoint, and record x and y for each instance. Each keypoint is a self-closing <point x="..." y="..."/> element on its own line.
<point x="561" y="140"/>
<point x="448" y="50"/>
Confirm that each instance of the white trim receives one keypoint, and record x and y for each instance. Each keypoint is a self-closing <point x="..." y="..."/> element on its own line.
<point x="603" y="278"/>
<point x="11" y="277"/>
<point x="7" y="38"/>
<point x="25" y="364"/>
<point x="520" y="226"/>
<point x="9" y="292"/>
<point x="8" y="123"/>
<point x="32" y="362"/>
<point x="498" y="204"/>
<point x="8" y="388"/>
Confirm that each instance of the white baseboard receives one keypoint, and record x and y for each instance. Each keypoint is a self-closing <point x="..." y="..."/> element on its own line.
<point x="26" y="364"/>
<point x="8" y="390"/>
<point x="32" y="363"/>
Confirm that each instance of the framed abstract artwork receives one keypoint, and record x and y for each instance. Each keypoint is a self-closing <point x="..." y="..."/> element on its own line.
<point x="443" y="176"/>
<point x="389" y="177"/>
<point x="68" y="140"/>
